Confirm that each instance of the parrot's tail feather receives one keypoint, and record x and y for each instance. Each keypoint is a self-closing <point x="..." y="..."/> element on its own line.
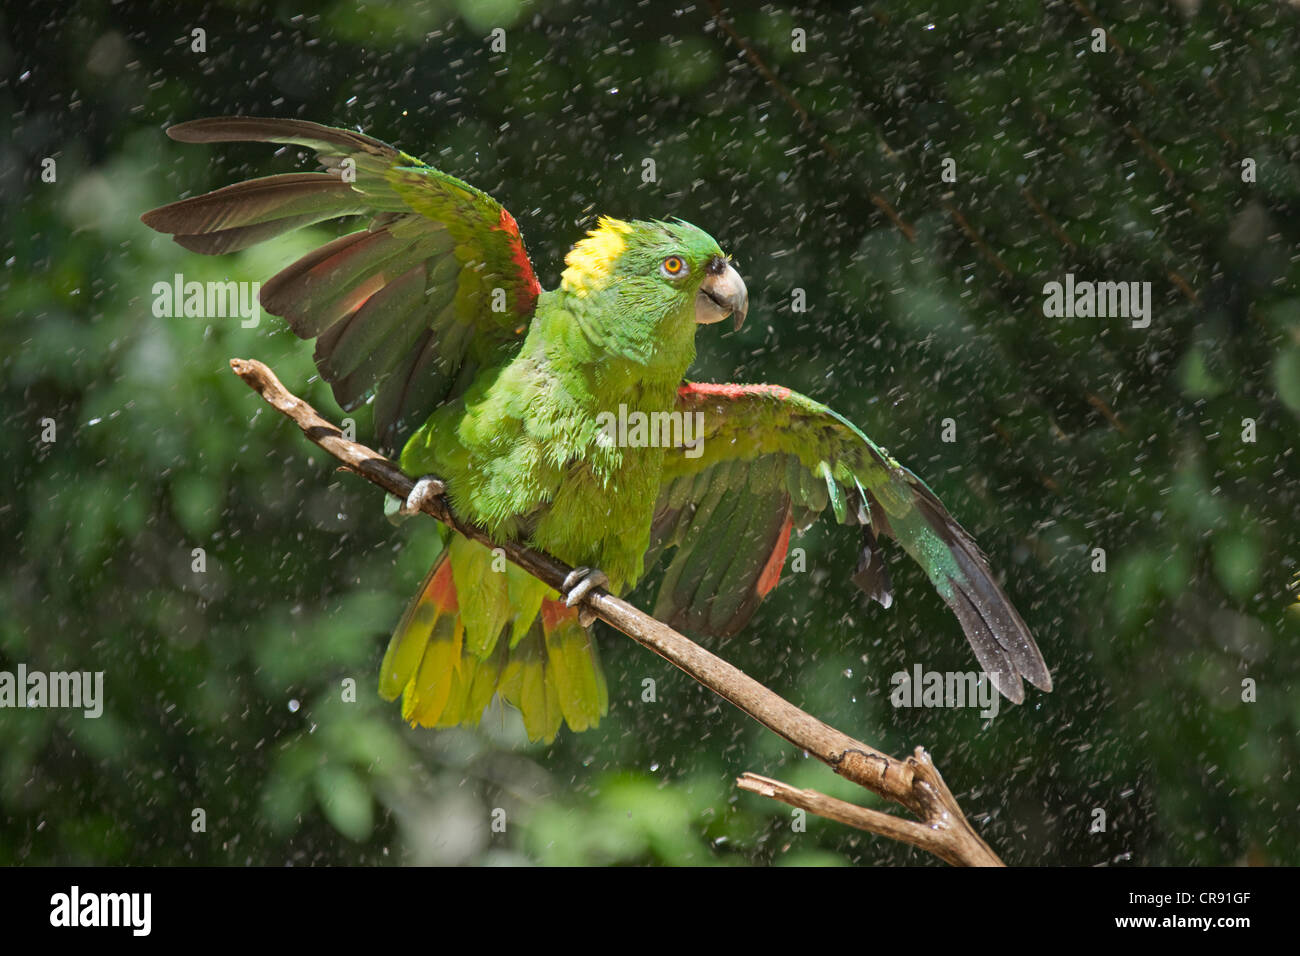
<point x="554" y="672"/>
<point x="464" y="640"/>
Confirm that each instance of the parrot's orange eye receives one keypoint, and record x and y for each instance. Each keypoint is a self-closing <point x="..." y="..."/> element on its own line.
<point x="674" y="267"/>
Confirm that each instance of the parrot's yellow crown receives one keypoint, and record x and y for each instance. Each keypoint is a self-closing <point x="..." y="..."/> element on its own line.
<point x="591" y="261"/>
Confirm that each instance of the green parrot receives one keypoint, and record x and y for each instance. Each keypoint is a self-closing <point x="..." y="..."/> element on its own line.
<point x="561" y="418"/>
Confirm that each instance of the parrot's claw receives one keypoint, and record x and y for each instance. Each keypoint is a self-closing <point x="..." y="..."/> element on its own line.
<point x="426" y="488"/>
<point x="579" y="583"/>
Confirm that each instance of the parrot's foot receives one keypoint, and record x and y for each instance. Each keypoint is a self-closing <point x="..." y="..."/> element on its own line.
<point x="426" y="488"/>
<point x="578" y="585"/>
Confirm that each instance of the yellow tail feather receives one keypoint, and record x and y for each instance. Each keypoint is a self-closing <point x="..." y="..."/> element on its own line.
<point x="448" y="657"/>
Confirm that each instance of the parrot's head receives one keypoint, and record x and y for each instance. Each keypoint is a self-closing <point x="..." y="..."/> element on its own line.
<point x="656" y="270"/>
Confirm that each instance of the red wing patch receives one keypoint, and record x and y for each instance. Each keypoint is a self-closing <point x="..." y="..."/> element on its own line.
<point x="703" y="390"/>
<point x="531" y="287"/>
<point x="771" y="575"/>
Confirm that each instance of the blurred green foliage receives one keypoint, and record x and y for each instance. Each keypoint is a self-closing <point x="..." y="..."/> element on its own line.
<point x="229" y="690"/>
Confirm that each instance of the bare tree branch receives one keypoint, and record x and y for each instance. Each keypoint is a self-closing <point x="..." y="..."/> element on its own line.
<point x="913" y="783"/>
<point x="832" y="808"/>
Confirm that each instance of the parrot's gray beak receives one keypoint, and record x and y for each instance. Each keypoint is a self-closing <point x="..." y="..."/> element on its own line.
<point x="722" y="293"/>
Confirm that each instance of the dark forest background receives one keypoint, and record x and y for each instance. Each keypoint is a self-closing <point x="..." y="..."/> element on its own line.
<point x="817" y="159"/>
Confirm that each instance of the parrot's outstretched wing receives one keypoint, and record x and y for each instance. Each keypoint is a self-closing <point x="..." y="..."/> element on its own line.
<point x="406" y="308"/>
<point x="766" y="459"/>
